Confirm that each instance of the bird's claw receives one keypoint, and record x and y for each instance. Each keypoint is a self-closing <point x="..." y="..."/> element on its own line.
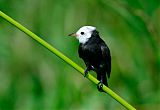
<point x="100" y="86"/>
<point x="85" y="72"/>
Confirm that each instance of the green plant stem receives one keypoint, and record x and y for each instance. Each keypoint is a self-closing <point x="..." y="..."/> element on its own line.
<point x="66" y="59"/>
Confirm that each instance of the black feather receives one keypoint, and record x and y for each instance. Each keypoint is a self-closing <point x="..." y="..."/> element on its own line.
<point x="96" y="56"/>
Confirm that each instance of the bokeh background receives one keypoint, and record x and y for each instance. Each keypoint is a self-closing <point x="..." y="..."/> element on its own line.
<point x="32" y="78"/>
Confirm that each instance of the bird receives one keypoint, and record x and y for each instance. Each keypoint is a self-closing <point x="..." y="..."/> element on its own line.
<point x="95" y="54"/>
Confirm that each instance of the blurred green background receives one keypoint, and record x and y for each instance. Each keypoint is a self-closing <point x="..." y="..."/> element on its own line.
<point x="32" y="78"/>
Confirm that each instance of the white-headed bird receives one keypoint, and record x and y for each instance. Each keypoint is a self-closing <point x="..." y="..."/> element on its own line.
<point x="95" y="53"/>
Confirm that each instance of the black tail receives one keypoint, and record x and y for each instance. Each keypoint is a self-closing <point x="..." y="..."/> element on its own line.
<point x="102" y="78"/>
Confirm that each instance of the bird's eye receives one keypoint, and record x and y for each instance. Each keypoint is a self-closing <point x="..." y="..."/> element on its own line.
<point x="82" y="33"/>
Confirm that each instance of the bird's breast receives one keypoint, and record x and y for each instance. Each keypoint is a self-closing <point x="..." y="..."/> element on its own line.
<point x="91" y="53"/>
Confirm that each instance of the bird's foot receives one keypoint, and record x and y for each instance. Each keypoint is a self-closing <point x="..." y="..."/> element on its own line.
<point x="100" y="87"/>
<point x="86" y="72"/>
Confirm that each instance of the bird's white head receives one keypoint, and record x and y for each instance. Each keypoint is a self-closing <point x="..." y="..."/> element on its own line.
<point x="84" y="33"/>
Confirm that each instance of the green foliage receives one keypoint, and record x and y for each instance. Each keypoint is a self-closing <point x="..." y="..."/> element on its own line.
<point x="64" y="58"/>
<point x="32" y="78"/>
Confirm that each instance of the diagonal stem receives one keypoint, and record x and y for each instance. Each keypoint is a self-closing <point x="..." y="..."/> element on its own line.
<point x="66" y="59"/>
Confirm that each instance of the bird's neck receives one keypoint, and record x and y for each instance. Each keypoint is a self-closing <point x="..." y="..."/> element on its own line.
<point x="93" y="38"/>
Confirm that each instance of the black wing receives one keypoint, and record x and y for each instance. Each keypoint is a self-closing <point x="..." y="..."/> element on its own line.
<point x="107" y="58"/>
<point x="80" y="50"/>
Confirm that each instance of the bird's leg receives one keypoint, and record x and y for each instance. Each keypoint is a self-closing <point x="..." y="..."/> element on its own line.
<point x="86" y="71"/>
<point x="100" y="86"/>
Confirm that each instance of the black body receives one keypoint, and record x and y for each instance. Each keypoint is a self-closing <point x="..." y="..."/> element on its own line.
<point x="96" y="56"/>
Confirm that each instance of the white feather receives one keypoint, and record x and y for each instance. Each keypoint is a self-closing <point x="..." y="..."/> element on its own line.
<point x="87" y="33"/>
